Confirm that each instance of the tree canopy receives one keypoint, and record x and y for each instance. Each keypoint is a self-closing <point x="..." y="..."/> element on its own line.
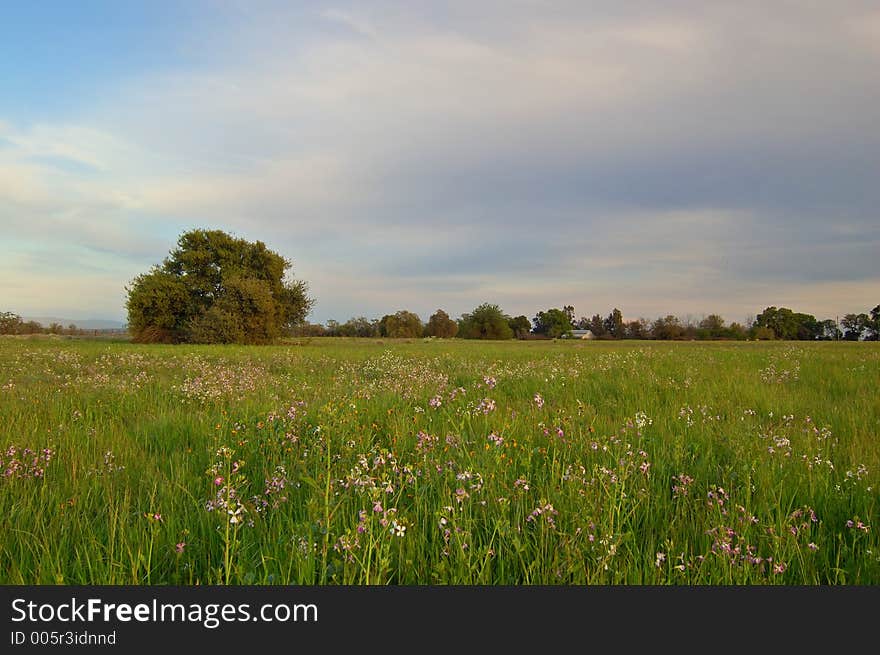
<point x="216" y="288"/>
<point x="403" y="324"/>
<point x="787" y="324"/>
<point x="486" y="322"/>
<point x="855" y="326"/>
<point x="520" y="326"/>
<point x="553" y="323"/>
<point x="440" y="325"/>
<point x="874" y="324"/>
<point x="614" y="325"/>
<point x="667" y="327"/>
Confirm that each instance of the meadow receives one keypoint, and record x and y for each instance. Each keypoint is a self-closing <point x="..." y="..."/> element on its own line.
<point x="333" y="461"/>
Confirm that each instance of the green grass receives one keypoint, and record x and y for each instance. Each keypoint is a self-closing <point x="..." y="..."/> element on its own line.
<point x="324" y="462"/>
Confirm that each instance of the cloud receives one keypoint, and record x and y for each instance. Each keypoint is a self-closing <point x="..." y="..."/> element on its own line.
<point x="658" y="158"/>
<point x="356" y="24"/>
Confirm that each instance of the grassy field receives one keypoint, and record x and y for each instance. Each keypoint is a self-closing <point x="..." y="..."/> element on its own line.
<point x="329" y="461"/>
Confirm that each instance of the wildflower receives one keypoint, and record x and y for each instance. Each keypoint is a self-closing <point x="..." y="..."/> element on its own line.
<point x="275" y="486"/>
<point x="539" y="401"/>
<point x="435" y="402"/>
<point x="856" y="524"/>
<point x="346" y="544"/>
<point x="661" y="557"/>
<point x="398" y="529"/>
<point x="547" y="511"/>
<point x="235" y="515"/>
<point x="486" y="405"/>
<point x="218" y="480"/>
<point x="495" y="439"/>
<point x="292" y="410"/>
<point x="812" y="546"/>
<point x="179" y="547"/>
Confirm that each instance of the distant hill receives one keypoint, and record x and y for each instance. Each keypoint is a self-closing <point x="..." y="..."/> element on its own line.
<point x="85" y="323"/>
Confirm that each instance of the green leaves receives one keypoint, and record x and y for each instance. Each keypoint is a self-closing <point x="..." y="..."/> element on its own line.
<point x="553" y="323"/>
<point x="485" y="322"/>
<point x="214" y="288"/>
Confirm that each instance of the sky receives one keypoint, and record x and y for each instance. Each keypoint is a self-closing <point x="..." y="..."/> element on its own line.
<point x="684" y="157"/>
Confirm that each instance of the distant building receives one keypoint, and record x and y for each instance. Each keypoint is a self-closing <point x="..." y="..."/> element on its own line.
<point x="582" y="334"/>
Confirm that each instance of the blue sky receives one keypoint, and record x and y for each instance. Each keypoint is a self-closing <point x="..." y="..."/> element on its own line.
<point x="660" y="157"/>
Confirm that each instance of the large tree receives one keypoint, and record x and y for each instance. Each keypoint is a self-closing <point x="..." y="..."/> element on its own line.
<point x="854" y="326"/>
<point x="781" y="320"/>
<point x="667" y="327"/>
<point x="486" y="322"/>
<point x="713" y="324"/>
<point x="830" y="331"/>
<point x="362" y="327"/>
<point x="638" y="329"/>
<point x="520" y="326"/>
<point x="440" y="325"/>
<point x="874" y="325"/>
<point x="10" y="323"/>
<point x="809" y="328"/>
<point x="787" y="324"/>
<point x="554" y="322"/>
<point x="596" y="326"/>
<point x="216" y="288"/>
<point x="614" y="324"/>
<point x="401" y="325"/>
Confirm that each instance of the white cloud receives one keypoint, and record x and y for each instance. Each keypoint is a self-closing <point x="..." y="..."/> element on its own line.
<point x="535" y="157"/>
<point x="357" y="24"/>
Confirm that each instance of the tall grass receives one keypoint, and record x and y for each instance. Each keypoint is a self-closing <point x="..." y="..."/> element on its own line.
<point x="428" y="462"/>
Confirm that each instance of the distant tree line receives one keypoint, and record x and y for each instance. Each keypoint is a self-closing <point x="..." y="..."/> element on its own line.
<point x="488" y="321"/>
<point x="484" y="322"/>
<point x="11" y="323"/>
<point x="216" y="288"/>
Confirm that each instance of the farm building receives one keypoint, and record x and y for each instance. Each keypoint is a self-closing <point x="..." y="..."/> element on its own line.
<point x="582" y="334"/>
